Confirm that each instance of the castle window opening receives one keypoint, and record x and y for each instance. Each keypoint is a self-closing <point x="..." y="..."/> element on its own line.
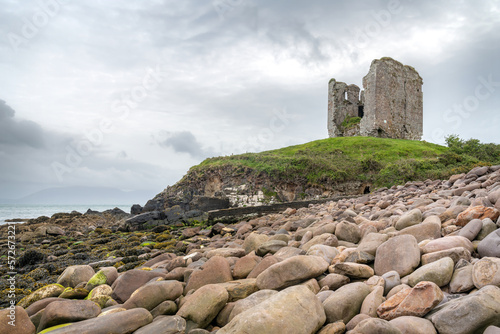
<point x="345" y="96"/>
<point x="361" y="111"/>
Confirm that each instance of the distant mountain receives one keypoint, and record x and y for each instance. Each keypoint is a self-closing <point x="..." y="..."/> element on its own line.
<point x="84" y="195"/>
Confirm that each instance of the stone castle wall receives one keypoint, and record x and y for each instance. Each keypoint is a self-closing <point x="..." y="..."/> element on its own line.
<point x="390" y="106"/>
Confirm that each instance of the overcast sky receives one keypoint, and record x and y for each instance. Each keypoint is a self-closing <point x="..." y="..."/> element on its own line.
<point x="130" y="94"/>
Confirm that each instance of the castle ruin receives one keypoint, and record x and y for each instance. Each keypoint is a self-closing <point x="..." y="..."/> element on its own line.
<point x="390" y="106"/>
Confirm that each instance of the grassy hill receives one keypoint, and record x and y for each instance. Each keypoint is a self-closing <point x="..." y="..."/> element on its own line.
<point x="379" y="161"/>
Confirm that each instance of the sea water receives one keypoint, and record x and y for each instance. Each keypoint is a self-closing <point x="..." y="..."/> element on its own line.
<point x="11" y="211"/>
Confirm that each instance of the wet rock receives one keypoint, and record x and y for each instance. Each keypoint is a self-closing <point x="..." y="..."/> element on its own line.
<point x="30" y="257"/>
<point x="278" y="314"/>
<point x="400" y="254"/>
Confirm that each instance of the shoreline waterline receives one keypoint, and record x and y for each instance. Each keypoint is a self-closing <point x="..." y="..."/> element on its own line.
<point x="30" y="211"/>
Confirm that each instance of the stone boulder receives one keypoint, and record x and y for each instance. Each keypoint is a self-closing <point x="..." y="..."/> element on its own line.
<point x="165" y="325"/>
<point x="400" y="253"/>
<point x="470" y="314"/>
<point x="48" y="291"/>
<point x="291" y="271"/>
<point x="245" y="265"/>
<point x="375" y="326"/>
<point x="345" y="302"/>
<point x="486" y="272"/>
<point x="130" y="281"/>
<point x="152" y="294"/>
<point x="74" y="275"/>
<point x="113" y="323"/>
<point x="215" y="270"/>
<point x="279" y="314"/>
<point x="410" y="218"/>
<point x="490" y="246"/>
<point x="413" y="325"/>
<point x="477" y="212"/>
<point x="447" y="243"/>
<point x="471" y="229"/>
<point x="106" y="275"/>
<point x="65" y="311"/>
<point x="438" y="272"/>
<point x="417" y="301"/>
<point x="461" y="281"/>
<point x="15" y="320"/>
<point x="203" y="305"/>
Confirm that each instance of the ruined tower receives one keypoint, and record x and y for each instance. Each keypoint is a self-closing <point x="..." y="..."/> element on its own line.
<point x="390" y="106"/>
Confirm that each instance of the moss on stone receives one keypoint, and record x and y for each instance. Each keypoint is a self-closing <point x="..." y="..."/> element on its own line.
<point x="50" y="329"/>
<point x="51" y="290"/>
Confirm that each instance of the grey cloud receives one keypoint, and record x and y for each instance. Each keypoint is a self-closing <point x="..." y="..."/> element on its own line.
<point x="186" y="142"/>
<point x="18" y="132"/>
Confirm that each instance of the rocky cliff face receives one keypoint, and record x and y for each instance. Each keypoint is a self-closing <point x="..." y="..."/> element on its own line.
<point x="224" y="187"/>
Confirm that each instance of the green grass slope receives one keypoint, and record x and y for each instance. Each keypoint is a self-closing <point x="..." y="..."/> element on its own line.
<point x="379" y="161"/>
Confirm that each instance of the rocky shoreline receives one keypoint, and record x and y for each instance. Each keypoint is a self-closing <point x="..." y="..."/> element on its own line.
<point x="423" y="257"/>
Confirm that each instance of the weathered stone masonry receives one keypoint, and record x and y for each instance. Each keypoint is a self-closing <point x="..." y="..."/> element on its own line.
<point x="390" y="106"/>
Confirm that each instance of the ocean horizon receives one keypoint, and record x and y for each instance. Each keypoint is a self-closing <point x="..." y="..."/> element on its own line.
<point x="27" y="211"/>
